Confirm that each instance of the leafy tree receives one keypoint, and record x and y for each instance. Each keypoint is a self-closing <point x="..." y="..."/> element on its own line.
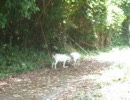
<point x="126" y="24"/>
<point x="13" y="10"/>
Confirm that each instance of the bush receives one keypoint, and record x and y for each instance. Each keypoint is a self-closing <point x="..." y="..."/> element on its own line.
<point x="13" y="60"/>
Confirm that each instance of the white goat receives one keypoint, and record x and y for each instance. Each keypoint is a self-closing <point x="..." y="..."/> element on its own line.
<point x="60" y="58"/>
<point x="76" y="56"/>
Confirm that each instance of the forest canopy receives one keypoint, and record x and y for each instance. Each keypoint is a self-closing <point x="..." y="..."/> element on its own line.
<point x="49" y="25"/>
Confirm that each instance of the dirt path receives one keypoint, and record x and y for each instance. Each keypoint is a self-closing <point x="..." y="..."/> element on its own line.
<point x="46" y="83"/>
<point x="85" y="82"/>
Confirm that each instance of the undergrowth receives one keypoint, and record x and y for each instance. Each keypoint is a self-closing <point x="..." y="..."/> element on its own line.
<point x="13" y="60"/>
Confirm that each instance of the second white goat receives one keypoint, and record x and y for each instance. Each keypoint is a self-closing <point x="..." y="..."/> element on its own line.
<point x="60" y="58"/>
<point x="76" y="56"/>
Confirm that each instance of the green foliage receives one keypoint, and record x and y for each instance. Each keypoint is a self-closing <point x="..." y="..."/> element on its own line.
<point x="115" y="17"/>
<point x="5" y="75"/>
<point x="94" y="21"/>
<point x="3" y="20"/>
<point x="125" y="30"/>
<point x="13" y="10"/>
<point x="119" y="40"/>
<point x="14" y="60"/>
<point x="20" y="8"/>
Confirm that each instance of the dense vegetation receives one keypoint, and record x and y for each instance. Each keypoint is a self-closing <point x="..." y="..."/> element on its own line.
<point x="30" y="31"/>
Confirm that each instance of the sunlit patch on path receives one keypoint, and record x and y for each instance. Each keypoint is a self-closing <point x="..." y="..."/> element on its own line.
<point x="115" y="55"/>
<point x="115" y="81"/>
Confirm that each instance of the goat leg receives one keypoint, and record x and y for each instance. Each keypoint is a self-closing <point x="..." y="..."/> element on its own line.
<point x="64" y="64"/>
<point x="55" y="64"/>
